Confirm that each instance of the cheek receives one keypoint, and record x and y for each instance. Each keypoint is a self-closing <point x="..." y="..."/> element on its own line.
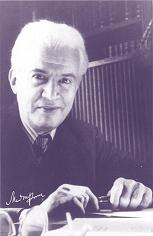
<point x="26" y="87"/>
<point x="24" y="101"/>
<point x="69" y="98"/>
<point x="28" y="98"/>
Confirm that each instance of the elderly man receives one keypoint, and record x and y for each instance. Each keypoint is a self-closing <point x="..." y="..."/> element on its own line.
<point x="49" y="159"/>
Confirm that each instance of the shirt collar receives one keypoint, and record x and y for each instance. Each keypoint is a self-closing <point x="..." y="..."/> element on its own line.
<point x="32" y="135"/>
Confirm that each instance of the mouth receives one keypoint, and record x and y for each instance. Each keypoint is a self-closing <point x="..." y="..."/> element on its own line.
<point x="49" y="109"/>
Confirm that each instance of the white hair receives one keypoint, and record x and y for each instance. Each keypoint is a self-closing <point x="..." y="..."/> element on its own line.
<point x="51" y="35"/>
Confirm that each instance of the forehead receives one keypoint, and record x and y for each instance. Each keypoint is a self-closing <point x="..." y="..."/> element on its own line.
<point x="65" y="58"/>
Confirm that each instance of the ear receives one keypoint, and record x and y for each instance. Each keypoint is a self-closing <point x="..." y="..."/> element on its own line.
<point x="12" y="80"/>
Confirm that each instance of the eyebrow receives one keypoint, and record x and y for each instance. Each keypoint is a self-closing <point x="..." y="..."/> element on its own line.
<point x="40" y="71"/>
<point x="69" y="75"/>
<point x="45" y="72"/>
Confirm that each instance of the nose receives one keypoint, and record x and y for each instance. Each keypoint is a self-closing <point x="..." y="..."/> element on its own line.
<point x="50" y="90"/>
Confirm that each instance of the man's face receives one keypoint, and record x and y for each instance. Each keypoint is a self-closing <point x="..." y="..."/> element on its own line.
<point x="46" y="87"/>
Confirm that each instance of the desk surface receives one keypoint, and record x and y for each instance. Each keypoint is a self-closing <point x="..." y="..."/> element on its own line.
<point x="121" y="221"/>
<point x="115" y="224"/>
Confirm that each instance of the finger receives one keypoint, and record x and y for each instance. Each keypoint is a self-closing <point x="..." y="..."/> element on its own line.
<point x="92" y="198"/>
<point x="65" y="198"/>
<point x="66" y="187"/>
<point x="79" y="204"/>
<point x="81" y="199"/>
<point x="129" y="187"/>
<point x="60" y="199"/>
<point x="147" y="199"/>
<point x="76" y="191"/>
<point x="70" y="191"/>
<point x="86" y="200"/>
<point x="116" y="192"/>
<point x="137" y="196"/>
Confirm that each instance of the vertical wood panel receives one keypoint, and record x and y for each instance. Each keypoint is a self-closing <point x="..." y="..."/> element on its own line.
<point x="110" y="97"/>
<point x="99" y="101"/>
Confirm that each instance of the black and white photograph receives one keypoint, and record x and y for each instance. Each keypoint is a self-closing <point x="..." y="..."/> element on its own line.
<point x="76" y="118"/>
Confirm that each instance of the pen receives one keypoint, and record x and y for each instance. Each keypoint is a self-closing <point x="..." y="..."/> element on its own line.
<point x="103" y="199"/>
<point x="104" y="202"/>
<point x="69" y="220"/>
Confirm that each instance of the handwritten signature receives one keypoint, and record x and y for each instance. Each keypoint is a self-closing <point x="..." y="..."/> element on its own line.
<point x="28" y="199"/>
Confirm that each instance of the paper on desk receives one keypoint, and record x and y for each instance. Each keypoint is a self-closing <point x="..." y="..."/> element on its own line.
<point x="137" y="223"/>
<point x="116" y="224"/>
<point x="147" y="213"/>
<point x="108" y="227"/>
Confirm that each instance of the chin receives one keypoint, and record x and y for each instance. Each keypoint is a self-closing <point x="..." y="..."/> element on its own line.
<point x="48" y="126"/>
<point x="47" y="123"/>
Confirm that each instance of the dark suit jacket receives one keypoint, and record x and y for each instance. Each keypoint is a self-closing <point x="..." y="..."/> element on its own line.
<point x="78" y="155"/>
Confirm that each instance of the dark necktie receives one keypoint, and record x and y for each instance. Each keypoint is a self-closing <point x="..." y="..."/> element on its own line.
<point x="41" y="144"/>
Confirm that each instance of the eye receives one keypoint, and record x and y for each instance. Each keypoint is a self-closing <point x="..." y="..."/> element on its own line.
<point x="40" y="77"/>
<point x="66" y="81"/>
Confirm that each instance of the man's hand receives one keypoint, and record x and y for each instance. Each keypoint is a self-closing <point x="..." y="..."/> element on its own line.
<point x="127" y="193"/>
<point x="79" y="195"/>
